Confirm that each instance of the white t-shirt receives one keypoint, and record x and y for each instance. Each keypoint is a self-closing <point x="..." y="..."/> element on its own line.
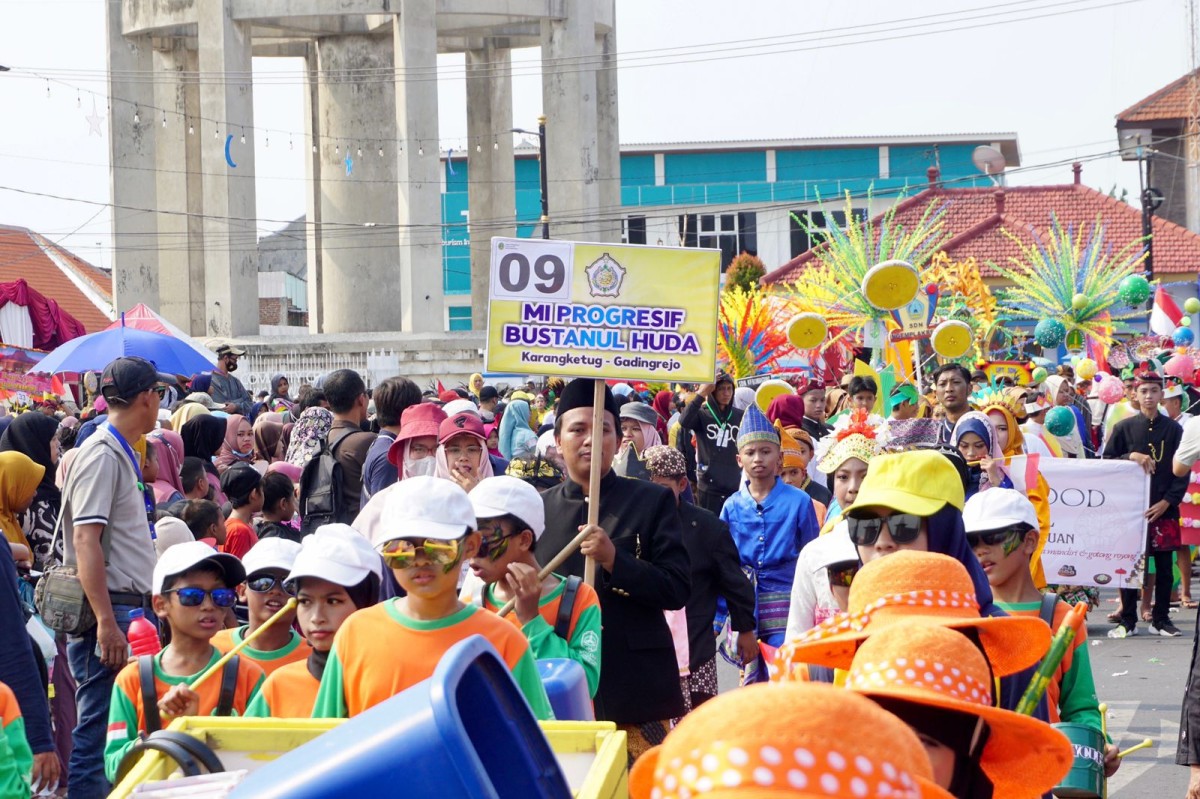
<point x="812" y="599"/>
<point x="1189" y="446"/>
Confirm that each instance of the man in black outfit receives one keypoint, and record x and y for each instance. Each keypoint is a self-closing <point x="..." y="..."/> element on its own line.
<point x="1150" y="440"/>
<point x="643" y="569"/>
<point x="715" y="572"/>
<point x="714" y="420"/>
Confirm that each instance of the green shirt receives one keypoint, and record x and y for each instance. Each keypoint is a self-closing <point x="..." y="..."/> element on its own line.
<point x="1077" y="702"/>
<point x="583" y="638"/>
<point x="16" y="759"/>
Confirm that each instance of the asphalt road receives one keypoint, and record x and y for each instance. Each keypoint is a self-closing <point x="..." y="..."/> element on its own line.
<point x="1141" y="679"/>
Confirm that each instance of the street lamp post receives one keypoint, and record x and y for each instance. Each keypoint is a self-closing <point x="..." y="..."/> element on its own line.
<point x="541" y="134"/>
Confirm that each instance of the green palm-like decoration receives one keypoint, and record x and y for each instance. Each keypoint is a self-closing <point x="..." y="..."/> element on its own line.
<point x="1048" y="276"/>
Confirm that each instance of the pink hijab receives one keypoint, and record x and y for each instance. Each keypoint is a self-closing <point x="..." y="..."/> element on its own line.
<point x="484" y="469"/>
<point x="168" y="447"/>
<point x="228" y="454"/>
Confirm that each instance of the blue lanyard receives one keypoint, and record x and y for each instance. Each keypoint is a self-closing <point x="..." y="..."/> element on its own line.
<point x="133" y="458"/>
<point x="137" y="469"/>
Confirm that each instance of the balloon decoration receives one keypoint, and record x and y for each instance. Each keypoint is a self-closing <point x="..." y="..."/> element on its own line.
<point x="1049" y="333"/>
<point x="807" y="331"/>
<point x="1039" y="375"/>
<point x="1110" y="391"/>
<point x="1181" y="366"/>
<point x="1133" y="290"/>
<point x="952" y="339"/>
<point x="1183" y="337"/>
<point x="1060" y="421"/>
<point x="1049" y="277"/>
<point x="1191" y="305"/>
<point x="769" y="390"/>
<point x="891" y="285"/>
<point x="1085" y="369"/>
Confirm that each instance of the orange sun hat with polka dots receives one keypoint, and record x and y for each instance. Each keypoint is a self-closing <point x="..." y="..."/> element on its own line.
<point x="937" y="667"/>
<point x="929" y="588"/>
<point x="803" y="740"/>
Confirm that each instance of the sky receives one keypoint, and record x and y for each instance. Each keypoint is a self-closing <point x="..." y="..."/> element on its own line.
<point x="1056" y="72"/>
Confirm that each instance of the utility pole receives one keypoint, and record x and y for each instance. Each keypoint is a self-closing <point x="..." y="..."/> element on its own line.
<point x="542" y="173"/>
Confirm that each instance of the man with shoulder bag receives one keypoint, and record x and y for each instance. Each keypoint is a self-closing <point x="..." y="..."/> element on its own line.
<point x="108" y="536"/>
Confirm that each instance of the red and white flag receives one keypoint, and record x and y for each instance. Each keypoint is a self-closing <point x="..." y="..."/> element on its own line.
<point x="1165" y="315"/>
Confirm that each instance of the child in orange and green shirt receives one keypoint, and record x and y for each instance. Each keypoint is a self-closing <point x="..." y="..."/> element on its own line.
<point x="267" y="566"/>
<point x="335" y="574"/>
<point x="425" y="532"/>
<point x="1002" y="529"/>
<point x="191" y="587"/>
<point x="16" y="758"/>
<point x="511" y="519"/>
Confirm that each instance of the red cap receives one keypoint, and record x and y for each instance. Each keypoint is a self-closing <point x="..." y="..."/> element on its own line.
<point x="467" y="423"/>
<point x="448" y="396"/>
<point x="417" y="420"/>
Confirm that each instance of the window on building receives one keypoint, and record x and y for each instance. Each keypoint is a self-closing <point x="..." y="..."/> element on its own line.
<point x="459" y="317"/>
<point x="731" y="233"/>
<point x="635" y="230"/>
<point x="803" y="240"/>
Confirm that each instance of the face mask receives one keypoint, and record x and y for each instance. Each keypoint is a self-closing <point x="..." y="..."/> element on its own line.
<point x="421" y="467"/>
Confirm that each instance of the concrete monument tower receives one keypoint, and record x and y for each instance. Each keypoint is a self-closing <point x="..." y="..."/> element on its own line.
<point x="373" y="221"/>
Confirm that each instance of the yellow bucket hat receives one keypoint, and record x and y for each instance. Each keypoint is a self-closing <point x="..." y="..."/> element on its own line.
<point x="920" y="482"/>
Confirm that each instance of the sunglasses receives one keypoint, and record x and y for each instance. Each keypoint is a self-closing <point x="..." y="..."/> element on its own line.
<point x="194" y="597"/>
<point x="842" y="574"/>
<point x="992" y="538"/>
<point x="902" y="527"/>
<point x="266" y="583"/>
<point x="400" y="553"/>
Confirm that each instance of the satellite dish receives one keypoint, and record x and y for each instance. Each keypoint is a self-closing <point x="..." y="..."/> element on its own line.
<point x="988" y="160"/>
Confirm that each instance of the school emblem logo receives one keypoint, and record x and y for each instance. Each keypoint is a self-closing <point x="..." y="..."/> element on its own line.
<point x="590" y="641"/>
<point x="605" y="277"/>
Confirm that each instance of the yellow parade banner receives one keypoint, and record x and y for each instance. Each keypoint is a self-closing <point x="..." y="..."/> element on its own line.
<point x="603" y="310"/>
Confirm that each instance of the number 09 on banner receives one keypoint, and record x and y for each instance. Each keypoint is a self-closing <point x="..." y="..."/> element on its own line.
<point x="617" y="311"/>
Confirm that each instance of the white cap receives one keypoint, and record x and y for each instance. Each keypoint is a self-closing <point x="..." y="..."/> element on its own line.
<point x="425" y="507"/>
<point x="271" y="553"/>
<point x="169" y="531"/>
<point x="545" y="442"/>
<point x="833" y="547"/>
<point x="1173" y="391"/>
<point x="998" y="508"/>
<point x="332" y="558"/>
<point x="346" y="533"/>
<point x="501" y="496"/>
<point x="188" y="555"/>
<point x="461" y="406"/>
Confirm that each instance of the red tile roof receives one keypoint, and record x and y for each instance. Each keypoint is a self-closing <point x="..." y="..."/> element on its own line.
<point x="976" y="217"/>
<point x="1167" y="104"/>
<point x="79" y="288"/>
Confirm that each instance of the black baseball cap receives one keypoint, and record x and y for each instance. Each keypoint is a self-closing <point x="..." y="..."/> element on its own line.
<point x="239" y="480"/>
<point x="488" y="393"/>
<point x="127" y="377"/>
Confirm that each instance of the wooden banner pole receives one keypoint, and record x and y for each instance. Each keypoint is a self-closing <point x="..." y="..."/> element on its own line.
<point x="593" y="516"/>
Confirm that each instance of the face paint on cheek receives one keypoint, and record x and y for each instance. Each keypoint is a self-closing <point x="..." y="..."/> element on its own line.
<point x="1011" y="544"/>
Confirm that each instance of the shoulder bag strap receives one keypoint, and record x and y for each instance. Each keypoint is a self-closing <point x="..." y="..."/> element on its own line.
<point x="149" y="694"/>
<point x="566" y="608"/>
<point x="229" y="677"/>
<point x="1046" y="613"/>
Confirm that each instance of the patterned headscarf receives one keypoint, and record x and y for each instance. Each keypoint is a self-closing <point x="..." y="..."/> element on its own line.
<point x="311" y="429"/>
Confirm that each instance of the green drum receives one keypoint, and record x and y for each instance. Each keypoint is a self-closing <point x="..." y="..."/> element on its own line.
<point x="1085" y="780"/>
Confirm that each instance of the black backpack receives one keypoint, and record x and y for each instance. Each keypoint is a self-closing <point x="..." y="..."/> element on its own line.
<point x="321" y="497"/>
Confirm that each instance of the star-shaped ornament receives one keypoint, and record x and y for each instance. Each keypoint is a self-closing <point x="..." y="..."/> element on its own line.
<point x="95" y="121"/>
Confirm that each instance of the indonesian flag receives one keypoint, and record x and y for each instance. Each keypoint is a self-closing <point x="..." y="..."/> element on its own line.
<point x="1165" y="315"/>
